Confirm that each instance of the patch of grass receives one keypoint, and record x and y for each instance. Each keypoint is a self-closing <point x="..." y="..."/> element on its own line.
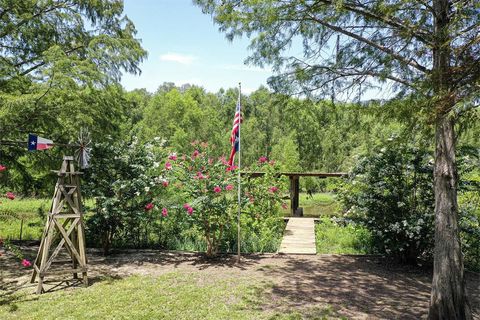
<point x="13" y="212"/>
<point x="320" y="204"/>
<point x="26" y="207"/>
<point x="175" y="295"/>
<point x="337" y="239"/>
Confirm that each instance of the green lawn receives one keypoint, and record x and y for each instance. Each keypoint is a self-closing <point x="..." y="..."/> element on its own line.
<point x="321" y="204"/>
<point x="332" y="238"/>
<point x="13" y="212"/>
<point x="176" y="295"/>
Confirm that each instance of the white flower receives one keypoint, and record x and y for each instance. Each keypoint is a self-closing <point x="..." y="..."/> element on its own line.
<point x="147" y="189"/>
<point x="156" y="164"/>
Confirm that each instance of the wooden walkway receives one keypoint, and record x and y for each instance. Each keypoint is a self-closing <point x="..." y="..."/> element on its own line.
<point x="299" y="237"/>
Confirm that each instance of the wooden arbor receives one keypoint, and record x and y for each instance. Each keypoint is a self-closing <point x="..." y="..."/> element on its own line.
<point x="294" y="177"/>
<point x="295" y="187"/>
<point x="64" y="229"/>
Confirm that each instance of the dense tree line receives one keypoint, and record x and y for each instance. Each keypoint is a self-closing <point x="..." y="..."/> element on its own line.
<point x="299" y="133"/>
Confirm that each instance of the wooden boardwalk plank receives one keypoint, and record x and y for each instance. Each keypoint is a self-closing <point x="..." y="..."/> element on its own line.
<point x="299" y="237"/>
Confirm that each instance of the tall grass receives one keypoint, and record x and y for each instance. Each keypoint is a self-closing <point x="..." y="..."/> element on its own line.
<point x="334" y="238"/>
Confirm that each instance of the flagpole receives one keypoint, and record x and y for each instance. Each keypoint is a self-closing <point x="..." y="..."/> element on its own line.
<point x="239" y="168"/>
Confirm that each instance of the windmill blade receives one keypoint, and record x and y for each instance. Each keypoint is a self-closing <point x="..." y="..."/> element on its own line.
<point x="83" y="153"/>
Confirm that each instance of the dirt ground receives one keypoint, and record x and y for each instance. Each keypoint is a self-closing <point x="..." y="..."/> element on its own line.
<point x="357" y="287"/>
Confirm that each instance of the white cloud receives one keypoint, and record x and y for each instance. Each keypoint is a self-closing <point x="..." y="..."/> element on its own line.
<point x="178" y="58"/>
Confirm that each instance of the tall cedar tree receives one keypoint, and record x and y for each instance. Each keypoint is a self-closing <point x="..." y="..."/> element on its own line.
<point x="429" y="49"/>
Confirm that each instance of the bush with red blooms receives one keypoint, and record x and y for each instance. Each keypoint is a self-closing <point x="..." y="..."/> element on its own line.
<point x="206" y="185"/>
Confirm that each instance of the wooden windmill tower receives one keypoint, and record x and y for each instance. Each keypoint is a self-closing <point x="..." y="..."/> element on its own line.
<point x="64" y="229"/>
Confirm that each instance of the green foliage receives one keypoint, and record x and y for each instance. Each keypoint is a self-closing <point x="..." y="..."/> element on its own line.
<point x="469" y="204"/>
<point x="60" y="67"/>
<point x="334" y="238"/>
<point x="122" y="179"/>
<point x="181" y="117"/>
<point x="206" y="185"/>
<point x="262" y="223"/>
<point x="391" y="194"/>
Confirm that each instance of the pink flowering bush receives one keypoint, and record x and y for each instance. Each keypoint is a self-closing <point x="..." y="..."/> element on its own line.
<point x="206" y="187"/>
<point x="262" y="223"/>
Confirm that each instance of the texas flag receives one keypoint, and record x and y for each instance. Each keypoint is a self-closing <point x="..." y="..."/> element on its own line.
<point x="38" y="143"/>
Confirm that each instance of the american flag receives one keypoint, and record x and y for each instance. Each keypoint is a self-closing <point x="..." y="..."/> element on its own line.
<point x="235" y="134"/>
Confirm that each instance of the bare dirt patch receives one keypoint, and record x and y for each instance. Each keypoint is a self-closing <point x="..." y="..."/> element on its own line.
<point x="356" y="287"/>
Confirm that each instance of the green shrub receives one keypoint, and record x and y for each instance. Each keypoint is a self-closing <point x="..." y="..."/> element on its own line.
<point x="123" y="180"/>
<point x="391" y="194"/>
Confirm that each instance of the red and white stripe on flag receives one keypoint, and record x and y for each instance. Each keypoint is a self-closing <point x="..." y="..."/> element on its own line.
<point x="234" y="135"/>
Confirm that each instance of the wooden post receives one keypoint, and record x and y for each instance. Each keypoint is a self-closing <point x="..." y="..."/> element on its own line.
<point x="294" y="194"/>
<point x="64" y="221"/>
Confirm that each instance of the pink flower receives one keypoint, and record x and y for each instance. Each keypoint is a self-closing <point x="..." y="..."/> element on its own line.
<point x="210" y="161"/>
<point x="273" y="189"/>
<point x="168" y="166"/>
<point x="223" y="160"/>
<point x="172" y="156"/>
<point x="164" y="212"/>
<point x="229" y="187"/>
<point x="10" y="195"/>
<point x="199" y="176"/>
<point x="272" y="162"/>
<point x="26" y="263"/>
<point x="195" y="154"/>
<point x="284" y="205"/>
<point x="149" y="206"/>
<point x="217" y="189"/>
<point x="165" y="183"/>
<point x="2" y="168"/>
<point x="262" y="159"/>
<point x="188" y="208"/>
<point x="231" y="168"/>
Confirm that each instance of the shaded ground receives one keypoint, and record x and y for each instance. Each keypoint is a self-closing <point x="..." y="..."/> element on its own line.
<point x="355" y="287"/>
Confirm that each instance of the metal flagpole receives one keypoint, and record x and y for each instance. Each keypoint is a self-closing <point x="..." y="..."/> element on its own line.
<point x="239" y="168"/>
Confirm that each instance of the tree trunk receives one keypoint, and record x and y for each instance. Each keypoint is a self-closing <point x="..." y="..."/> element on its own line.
<point x="448" y="298"/>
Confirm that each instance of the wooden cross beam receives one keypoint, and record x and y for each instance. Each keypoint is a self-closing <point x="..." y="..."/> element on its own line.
<point x="64" y="221"/>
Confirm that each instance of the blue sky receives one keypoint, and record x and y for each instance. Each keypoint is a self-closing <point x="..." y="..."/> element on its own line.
<point x="184" y="46"/>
